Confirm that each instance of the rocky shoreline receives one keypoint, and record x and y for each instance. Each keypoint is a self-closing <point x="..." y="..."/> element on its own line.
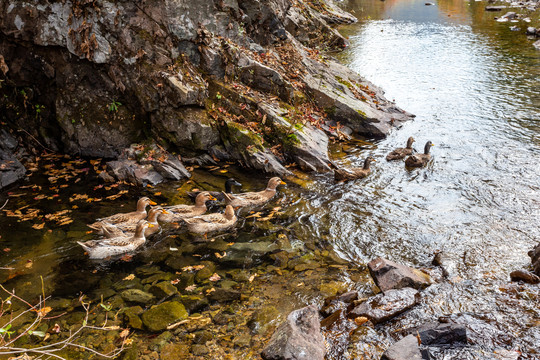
<point x="244" y="82"/>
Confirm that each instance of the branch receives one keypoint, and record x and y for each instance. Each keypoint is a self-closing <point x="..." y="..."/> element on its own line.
<point x="3" y="206"/>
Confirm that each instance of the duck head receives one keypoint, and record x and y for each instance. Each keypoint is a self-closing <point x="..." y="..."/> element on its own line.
<point x="428" y="146"/>
<point x="141" y="227"/>
<point x="410" y="142"/>
<point x="274" y="182"/>
<point x="230" y="183"/>
<point x="202" y="198"/>
<point x="368" y="162"/>
<point x="229" y="212"/>
<point x="143" y="203"/>
<point x="155" y="212"/>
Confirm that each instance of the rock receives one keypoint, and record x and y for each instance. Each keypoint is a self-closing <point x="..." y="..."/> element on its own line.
<point x="429" y="4"/>
<point x="385" y="306"/>
<point x="509" y="15"/>
<point x="334" y="303"/>
<point x="207" y="271"/>
<point x="194" y="303"/>
<point x="223" y="295"/>
<point x="132" y="318"/>
<point x="158" y="317"/>
<point x="444" y="334"/>
<point x="130" y="171"/>
<point x="174" y="351"/>
<point x="526" y="276"/>
<point x="448" y="265"/>
<point x="298" y="338"/>
<point x="514" y="28"/>
<point x="531" y="31"/>
<point x="163" y="289"/>
<point x="202" y="336"/>
<point x="160" y="276"/>
<point x="11" y="169"/>
<point x="262" y="77"/>
<point x="405" y="349"/>
<point x="495" y="8"/>
<point x="537" y="44"/>
<point x="199" y="350"/>
<point x="137" y="296"/>
<point x="390" y="275"/>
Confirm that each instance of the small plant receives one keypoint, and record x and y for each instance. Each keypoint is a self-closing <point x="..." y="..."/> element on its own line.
<point x="113" y="106"/>
<point x="39" y="109"/>
<point x="218" y="96"/>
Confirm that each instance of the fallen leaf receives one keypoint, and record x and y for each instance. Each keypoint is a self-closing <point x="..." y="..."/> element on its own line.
<point x="209" y="291"/>
<point x="175" y="281"/>
<point x="124" y="333"/>
<point x="219" y="256"/>
<point x="256" y="215"/>
<point x="130" y="277"/>
<point x="191" y="287"/>
<point x="29" y="264"/>
<point x="214" y="277"/>
<point x="252" y="277"/>
<point x="126" y="258"/>
<point x="38" y="226"/>
<point x="44" y="311"/>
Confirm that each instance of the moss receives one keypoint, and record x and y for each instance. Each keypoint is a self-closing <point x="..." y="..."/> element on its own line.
<point x="241" y="135"/>
<point x="330" y="111"/>
<point x="361" y="113"/>
<point x="344" y="82"/>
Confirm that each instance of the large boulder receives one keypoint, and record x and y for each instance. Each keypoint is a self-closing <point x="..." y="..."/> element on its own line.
<point x="386" y="305"/>
<point x="298" y="338"/>
<point x="390" y="275"/>
<point x="405" y="349"/>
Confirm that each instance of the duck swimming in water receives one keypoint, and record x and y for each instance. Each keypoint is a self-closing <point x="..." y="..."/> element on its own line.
<point x="354" y="173"/>
<point x="217" y="194"/>
<point x="212" y="222"/>
<point x="419" y="160"/>
<point x="103" y="248"/>
<point x="254" y="198"/>
<point x="110" y="230"/>
<point x="400" y="153"/>
<point x="179" y="212"/>
<point x="127" y="218"/>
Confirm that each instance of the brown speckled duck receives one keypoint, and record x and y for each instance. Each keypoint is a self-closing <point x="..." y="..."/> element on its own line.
<point x="419" y="160"/>
<point x="212" y="222"/>
<point x="127" y="218"/>
<point x="180" y="212"/>
<point x="354" y="173"/>
<point x="110" y="230"/>
<point x="400" y="153"/>
<point x="103" y="248"/>
<point x="254" y="198"/>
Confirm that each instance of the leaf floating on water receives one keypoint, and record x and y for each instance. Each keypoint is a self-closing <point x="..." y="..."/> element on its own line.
<point x="191" y="287"/>
<point x="126" y="258"/>
<point x="223" y="171"/>
<point x="173" y="249"/>
<point x="252" y="277"/>
<point x="44" y="311"/>
<point x="130" y="277"/>
<point x="214" y="277"/>
<point x="29" y="264"/>
<point x="38" y="226"/>
<point x="219" y="256"/>
<point x="157" y="193"/>
<point x="175" y="281"/>
<point x="124" y="333"/>
<point x="209" y="291"/>
<point x="256" y="215"/>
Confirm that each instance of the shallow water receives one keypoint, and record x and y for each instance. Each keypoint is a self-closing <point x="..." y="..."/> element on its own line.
<point x="475" y="89"/>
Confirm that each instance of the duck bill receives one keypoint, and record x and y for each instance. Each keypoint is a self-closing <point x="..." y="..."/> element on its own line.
<point x="283" y="182"/>
<point x="165" y="212"/>
<point x="212" y="198"/>
<point x="153" y="203"/>
<point x="151" y="225"/>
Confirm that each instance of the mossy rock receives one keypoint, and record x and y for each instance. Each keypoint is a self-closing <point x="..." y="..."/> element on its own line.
<point x="174" y="352"/>
<point x="132" y="318"/>
<point x="147" y="270"/>
<point x="206" y="272"/>
<point x="163" y="289"/>
<point x="333" y="288"/>
<point x="194" y="302"/>
<point x="137" y="296"/>
<point x="158" y="317"/>
<point x="158" y="277"/>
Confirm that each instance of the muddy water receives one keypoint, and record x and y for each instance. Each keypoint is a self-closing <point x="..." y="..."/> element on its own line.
<point x="475" y="88"/>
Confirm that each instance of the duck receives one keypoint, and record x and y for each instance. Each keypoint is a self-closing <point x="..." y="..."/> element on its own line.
<point x="354" y="173"/>
<point x="128" y="218"/>
<point x="212" y="222"/>
<point x="104" y="248"/>
<point x="254" y="198"/>
<point x="229" y="183"/>
<point x="110" y="230"/>
<point x="419" y="160"/>
<point x="400" y="153"/>
<point x="179" y="212"/>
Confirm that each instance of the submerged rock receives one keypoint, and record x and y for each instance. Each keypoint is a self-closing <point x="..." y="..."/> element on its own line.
<point x="390" y="275"/>
<point x="298" y="338"/>
<point x="137" y="296"/>
<point x="158" y="317"/>
<point x="385" y="306"/>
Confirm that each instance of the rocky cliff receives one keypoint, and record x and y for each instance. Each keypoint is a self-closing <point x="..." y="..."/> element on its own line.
<point x="247" y="81"/>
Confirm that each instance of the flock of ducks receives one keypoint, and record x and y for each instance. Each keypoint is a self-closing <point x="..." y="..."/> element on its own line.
<point x="126" y="232"/>
<point x="407" y="153"/>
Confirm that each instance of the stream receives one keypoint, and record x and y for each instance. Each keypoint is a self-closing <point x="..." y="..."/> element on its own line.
<point x="474" y="87"/>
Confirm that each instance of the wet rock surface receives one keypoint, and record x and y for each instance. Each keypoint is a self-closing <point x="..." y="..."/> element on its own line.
<point x="535" y="259"/>
<point x="11" y="169"/>
<point x="390" y="275"/>
<point x="385" y="306"/>
<point x="299" y="337"/>
<point x="526" y="276"/>
<point x="405" y="349"/>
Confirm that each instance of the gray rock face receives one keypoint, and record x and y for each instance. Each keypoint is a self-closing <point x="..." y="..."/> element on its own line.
<point x="443" y="334"/>
<point x="385" y="306"/>
<point x="405" y="349"/>
<point x="390" y="275"/>
<point x="298" y="338"/>
<point x="11" y="169"/>
<point x="537" y="44"/>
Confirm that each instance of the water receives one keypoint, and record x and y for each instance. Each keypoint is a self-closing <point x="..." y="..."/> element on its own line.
<point x="475" y="88"/>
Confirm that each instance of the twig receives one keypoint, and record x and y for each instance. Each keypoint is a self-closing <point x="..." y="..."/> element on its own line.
<point x="36" y="140"/>
<point x="3" y="206"/>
